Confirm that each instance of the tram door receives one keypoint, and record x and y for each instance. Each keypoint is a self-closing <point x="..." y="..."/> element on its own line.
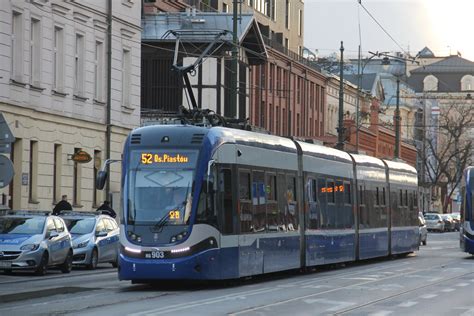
<point x="250" y="254"/>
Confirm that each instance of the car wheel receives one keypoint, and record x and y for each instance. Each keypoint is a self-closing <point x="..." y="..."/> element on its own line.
<point x="115" y="263"/>
<point x="43" y="264"/>
<point x="94" y="260"/>
<point x="66" y="267"/>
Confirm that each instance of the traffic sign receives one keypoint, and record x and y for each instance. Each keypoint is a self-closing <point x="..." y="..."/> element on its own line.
<point x="6" y="171"/>
<point x="6" y="136"/>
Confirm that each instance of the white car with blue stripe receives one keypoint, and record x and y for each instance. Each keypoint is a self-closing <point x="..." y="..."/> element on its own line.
<point x="95" y="238"/>
<point x="35" y="241"/>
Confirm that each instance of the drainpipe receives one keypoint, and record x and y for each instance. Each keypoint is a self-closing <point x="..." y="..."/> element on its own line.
<point x="109" y="94"/>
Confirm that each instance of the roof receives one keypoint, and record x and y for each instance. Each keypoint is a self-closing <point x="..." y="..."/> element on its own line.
<point x="367" y="80"/>
<point x="451" y="64"/>
<point x="203" y="28"/>
<point x="426" y="53"/>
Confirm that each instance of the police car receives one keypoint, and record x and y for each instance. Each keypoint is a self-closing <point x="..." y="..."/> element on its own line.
<point x="95" y="238"/>
<point x="32" y="240"/>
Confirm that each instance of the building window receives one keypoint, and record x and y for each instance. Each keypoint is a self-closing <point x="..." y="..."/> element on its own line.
<point x="79" y="66"/>
<point x="17" y="47"/>
<point x="58" y="62"/>
<point x="300" y="23"/>
<point x="57" y="173"/>
<point x="35" y="52"/>
<point x="277" y="120"/>
<point x="430" y="83"/>
<point x="298" y="123"/>
<point x="99" y="71"/>
<point x="33" y="184"/>
<point x="77" y="181"/>
<point x="287" y="14"/>
<point x="467" y="83"/>
<point x="126" y="73"/>
<point x="225" y="8"/>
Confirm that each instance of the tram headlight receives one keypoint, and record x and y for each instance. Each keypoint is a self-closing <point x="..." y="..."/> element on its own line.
<point x="178" y="237"/>
<point x="134" y="237"/>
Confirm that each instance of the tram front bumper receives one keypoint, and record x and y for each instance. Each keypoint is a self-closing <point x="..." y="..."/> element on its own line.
<point x="196" y="267"/>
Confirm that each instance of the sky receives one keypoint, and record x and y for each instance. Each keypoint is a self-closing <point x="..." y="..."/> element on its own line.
<point x="444" y="26"/>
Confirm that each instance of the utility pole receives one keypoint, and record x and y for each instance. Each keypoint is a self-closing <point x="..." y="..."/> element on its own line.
<point x="232" y="107"/>
<point x="397" y="123"/>
<point x="359" y="79"/>
<point x="341" y="129"/>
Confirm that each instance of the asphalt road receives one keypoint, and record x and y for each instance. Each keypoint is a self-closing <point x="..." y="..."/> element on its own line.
<point x="437" y="280"/>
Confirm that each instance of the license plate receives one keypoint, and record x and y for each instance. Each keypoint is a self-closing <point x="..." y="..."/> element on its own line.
<point x="155" y="255"/>
<point x="5" y="264"/>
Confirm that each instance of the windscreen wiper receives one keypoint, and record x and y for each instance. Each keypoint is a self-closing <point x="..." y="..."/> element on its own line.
<point x="158" y="227"/>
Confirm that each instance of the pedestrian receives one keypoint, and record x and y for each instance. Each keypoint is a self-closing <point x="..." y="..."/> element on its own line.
<point x="62" y="205"/>
<point x="106" y="209"/>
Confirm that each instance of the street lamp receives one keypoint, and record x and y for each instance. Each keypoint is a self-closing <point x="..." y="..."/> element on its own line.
<point x="386" y="61"/>
<point x="360" y="73"/>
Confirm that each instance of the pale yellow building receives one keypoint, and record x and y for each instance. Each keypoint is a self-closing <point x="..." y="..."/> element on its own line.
<point x="53" y="94"/>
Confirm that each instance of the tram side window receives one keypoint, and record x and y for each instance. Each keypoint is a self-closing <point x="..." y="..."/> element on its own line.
<point x="396" y="209"/>
<point x="340" y="214"/>
<point x="291" y="213"/>
<point x="384" y="197"/>
<point x="281" y="195"/>
<point x="364" y="210"/>
<point x="272" y="202"/>
<point x="372" y="209"/>
<point x="322" y="197"/>
<point x="259" y="202"/>
<point x="313" y="221"/>
<point x="245" y="202"/>
<point x="347" y="193"/>
<point x="226" y="216"/>
<point x="348" y="216"/>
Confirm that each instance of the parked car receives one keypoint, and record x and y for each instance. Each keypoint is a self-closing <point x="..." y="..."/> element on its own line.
<point x="423" y="230"/>
<point x="457" y="220"/>
<point x="448" y="222"/>
<point x="434" y="222"/>
<point x="95" y="238"/>
<point x="32" y="240"/>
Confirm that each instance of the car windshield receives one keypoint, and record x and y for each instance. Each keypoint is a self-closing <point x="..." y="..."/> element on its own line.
<point x="431" y="217"/>
<point x="21" y="225"/>
<point x="80" y="226"/>
<point x="156" y="194"/>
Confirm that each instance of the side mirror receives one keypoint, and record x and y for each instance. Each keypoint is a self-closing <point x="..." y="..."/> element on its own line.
<point x="101" y="234"/>
<point x="53" y="234"/>
<point x="101" y="179"/>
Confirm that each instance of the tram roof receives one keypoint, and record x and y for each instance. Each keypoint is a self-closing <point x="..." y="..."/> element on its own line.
<point x="400" y="167"/>
<point x="325" y="152"/>
<point x="242" y="137"/>
<point x="368" y="161"/>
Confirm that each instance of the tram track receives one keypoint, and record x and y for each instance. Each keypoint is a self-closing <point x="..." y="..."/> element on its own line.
<point x="353" y="308"/>
<point x="359" y="284"/>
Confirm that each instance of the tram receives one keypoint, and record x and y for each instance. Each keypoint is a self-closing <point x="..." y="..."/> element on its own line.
<point x="467" y="211"/>
<point x="213" y="203"/>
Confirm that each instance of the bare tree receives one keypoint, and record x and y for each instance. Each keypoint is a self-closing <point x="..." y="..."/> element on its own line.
<point x="449" y="149"/>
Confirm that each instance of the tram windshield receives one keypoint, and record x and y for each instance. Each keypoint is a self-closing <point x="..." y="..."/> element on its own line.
<point x="160" y="193"/>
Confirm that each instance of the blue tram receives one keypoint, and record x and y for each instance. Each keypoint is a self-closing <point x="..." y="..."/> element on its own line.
<point x="467" y="211"/>
<point x="219" y="203"/>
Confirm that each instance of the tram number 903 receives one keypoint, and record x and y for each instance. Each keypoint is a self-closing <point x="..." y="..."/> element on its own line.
<point x="156" y="255"/>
